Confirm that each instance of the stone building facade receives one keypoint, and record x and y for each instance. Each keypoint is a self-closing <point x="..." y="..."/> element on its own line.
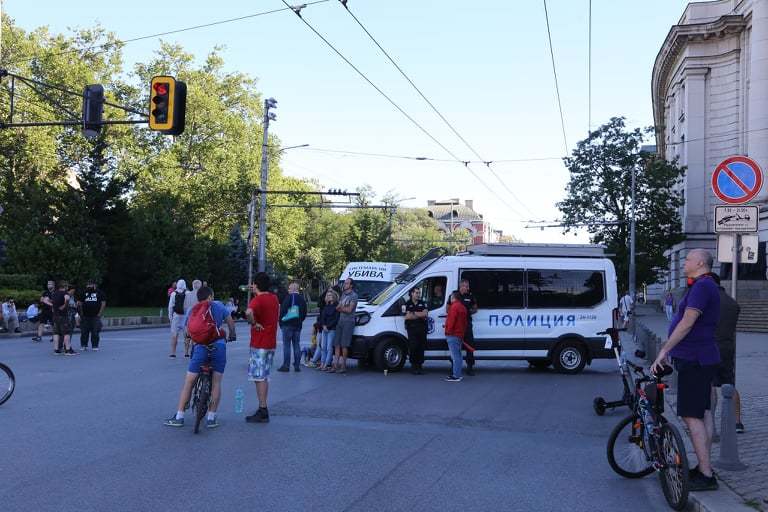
<point x="710" y="101"/>
<point x="453" y="215"/>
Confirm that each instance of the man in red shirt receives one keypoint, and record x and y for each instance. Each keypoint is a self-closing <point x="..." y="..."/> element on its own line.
<point x="455" y="330"/>
<point x="263" y="314"/>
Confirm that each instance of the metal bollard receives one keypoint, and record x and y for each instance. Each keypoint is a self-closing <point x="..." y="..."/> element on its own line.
<point x="729" y="448"/>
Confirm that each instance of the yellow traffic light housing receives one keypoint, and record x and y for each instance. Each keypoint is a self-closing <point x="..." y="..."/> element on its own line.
<point x="167" y="105"/>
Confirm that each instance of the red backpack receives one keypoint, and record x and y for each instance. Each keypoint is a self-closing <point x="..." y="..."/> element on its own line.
<point x="201" y="325"/>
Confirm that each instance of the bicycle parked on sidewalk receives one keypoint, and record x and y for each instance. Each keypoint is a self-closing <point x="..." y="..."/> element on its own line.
<point x="645" y="441"/>
<point x="7" y="383"/>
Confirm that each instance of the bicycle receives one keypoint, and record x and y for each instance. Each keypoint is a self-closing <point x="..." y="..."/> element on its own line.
<point x="645" y="441"/>
<point x="200" y="398"/>
<point x="7" y="383"/>
<point x="627" y="399"/>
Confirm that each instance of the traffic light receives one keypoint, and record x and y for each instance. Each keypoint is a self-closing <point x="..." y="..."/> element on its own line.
<point x="93" y="109"/>
<point x="167" y="105"/>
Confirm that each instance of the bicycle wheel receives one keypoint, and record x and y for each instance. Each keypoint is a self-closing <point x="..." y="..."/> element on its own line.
<point x="626" y="454"/>
<point x="203" y="397"/>
<point x="7" y="383"/>
<point x="674" y="472"/>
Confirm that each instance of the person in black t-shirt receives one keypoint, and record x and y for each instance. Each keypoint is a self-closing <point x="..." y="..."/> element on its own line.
<point x="61" y="326"/>
<point x="416" y="325"/>
<point x="91" y="305"/>
<point x="469" y="338"/>
<point x="46" y="315"/>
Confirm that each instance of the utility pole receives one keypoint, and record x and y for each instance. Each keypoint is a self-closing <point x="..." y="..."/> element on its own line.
<point x="262" y="254"/>
<point x="632" y="268"/>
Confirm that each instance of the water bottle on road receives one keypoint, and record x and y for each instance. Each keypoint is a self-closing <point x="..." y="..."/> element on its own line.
<point x="239" y="401"/>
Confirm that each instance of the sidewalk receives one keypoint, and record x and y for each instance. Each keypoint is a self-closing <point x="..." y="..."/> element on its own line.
<point x="752" y="382"/>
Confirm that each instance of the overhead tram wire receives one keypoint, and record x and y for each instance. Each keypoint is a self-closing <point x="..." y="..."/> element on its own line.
<point x="426" y="158"/>
<point x="433" y="107"/>
<point x="554" y="72"/>
<point x="159" y="34"/>
<point x="297" y="12"/>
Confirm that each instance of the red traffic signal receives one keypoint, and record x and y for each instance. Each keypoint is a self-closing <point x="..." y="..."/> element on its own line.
<point x="167" y="105"/>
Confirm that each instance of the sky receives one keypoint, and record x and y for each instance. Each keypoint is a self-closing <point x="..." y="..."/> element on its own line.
<point x="485" y="65"/>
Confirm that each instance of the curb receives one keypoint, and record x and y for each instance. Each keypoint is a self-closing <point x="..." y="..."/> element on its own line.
<point x="722" y="500"/>
<point x="29" y="334"/>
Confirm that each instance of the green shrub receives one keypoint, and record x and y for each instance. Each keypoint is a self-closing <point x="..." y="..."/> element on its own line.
<point x="22" y="297"/>
<point x="18" y="281"/>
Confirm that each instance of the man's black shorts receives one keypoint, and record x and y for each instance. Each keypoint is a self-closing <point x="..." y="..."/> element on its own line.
<point x="61" y="326"/>
<point x="46" y="316"/>
<point x="694" y="385"/>
<point x="726" y="372"/>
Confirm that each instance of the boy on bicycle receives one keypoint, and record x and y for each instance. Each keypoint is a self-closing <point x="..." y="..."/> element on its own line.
<point x="217" y="352"/>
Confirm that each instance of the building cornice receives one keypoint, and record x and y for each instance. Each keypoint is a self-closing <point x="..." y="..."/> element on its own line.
<point x="677" y="39"/>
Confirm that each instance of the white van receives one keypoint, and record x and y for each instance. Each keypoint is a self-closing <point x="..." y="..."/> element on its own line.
<point x="371" y="277"/>
<point x="537" y="302"/>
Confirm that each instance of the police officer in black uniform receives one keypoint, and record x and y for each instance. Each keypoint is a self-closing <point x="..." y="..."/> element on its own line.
<point x="469" y="338"/>
<point x="416" y="312"/>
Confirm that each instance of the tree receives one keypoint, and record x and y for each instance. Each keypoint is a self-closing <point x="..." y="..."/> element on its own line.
<point x="237" y="260"/>
<point x="599" y="193"/>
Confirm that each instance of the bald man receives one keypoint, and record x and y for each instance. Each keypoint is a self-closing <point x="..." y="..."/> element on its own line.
<point x="691" y="345"/>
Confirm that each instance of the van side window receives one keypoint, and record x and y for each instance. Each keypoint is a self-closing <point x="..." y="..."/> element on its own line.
<point x="496" y="288"/>
<point x="565" y="288"/>
<point x="432" y="292"/>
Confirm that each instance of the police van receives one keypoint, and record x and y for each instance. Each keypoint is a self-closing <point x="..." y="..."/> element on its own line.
<point x="542" y="303"/>
<point x="371" y="277"/>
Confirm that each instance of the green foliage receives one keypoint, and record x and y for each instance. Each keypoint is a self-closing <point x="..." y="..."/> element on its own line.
<point x="23" y="297"/>
<point x="600" y="190"/>
<point x="18" y="281"/>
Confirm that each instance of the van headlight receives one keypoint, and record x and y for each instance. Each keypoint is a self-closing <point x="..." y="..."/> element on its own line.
<point x="362" y="318"/>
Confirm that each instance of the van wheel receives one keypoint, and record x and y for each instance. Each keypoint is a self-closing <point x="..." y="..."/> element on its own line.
<point x="569" y="357"/>
<point x="389" y="354"/>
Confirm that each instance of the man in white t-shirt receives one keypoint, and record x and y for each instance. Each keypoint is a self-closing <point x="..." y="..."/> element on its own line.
<point x="625" y="307"/>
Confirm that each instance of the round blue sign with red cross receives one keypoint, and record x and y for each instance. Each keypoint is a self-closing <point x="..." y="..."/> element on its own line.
<point x="737" y="180"/>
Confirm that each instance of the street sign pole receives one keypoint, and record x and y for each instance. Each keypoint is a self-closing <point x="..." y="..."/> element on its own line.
<point x="735" y="264"/>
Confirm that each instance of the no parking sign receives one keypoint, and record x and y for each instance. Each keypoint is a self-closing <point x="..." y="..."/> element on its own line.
<point x="737" y="180"/>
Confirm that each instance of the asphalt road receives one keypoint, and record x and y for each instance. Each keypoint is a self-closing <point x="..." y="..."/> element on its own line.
<point x="85" y="433"/>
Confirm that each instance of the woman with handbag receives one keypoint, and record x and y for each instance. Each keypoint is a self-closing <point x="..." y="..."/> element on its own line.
<point x="293" y="311"/>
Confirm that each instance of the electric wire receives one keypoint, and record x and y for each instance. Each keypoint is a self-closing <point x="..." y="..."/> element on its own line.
<point x="554" y="72"/>
<point x="425" y="158"/>
<point x="432" y="106"/>
<point x="160" y="34"/>
<point x="297" y="11"/>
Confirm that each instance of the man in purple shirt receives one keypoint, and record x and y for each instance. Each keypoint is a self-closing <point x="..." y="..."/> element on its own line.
<point x="691" y="345"/>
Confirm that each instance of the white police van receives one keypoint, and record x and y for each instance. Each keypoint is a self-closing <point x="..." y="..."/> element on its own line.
<point x="371" y="277"/>
<point x="538" y="302"/>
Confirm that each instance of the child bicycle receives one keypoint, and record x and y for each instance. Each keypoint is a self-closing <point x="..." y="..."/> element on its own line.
<point x="627" y="399"/>
<point x="7" y="383"/>
<point x="645" y="441"/>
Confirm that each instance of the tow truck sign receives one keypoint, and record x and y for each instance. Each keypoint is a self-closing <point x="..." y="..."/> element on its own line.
<point x="736" y="219"/>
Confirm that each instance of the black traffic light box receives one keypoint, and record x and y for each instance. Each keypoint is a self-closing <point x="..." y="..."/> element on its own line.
<point x="167" y="105"/>
<point x="93" y="109"/>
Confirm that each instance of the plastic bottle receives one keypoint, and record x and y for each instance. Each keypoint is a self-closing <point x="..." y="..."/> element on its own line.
<point x="239" y="401"/>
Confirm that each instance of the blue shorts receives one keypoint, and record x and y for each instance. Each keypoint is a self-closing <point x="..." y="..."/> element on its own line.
<point x="200" y="355"/>
<point x="260" y="364"/>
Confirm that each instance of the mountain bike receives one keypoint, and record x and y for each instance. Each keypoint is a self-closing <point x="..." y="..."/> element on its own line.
<point x="645" y="441"/>
<point x="627" y="398"/>
<point x="7" y="383"/>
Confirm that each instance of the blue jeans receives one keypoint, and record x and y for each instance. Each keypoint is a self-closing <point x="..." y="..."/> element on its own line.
<point x="291" y="336"/>
<point x="326" y="344"/>
<point x="454" y="345"/>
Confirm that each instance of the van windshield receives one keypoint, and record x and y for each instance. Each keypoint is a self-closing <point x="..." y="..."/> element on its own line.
<point x="386" y="293"/>
<point x="366" y="290"/>
<point x="425" y="261"/>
